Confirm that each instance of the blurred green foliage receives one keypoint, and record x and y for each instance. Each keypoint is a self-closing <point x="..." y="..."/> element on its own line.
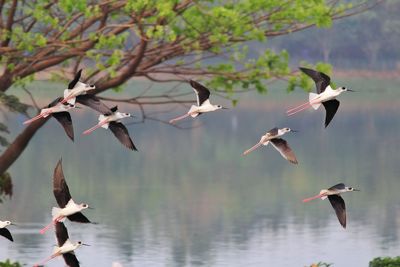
<point x="385" y="262"/>
<point x="8" y="263"/>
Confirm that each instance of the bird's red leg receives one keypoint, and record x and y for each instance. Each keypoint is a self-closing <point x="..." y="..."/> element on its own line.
<point x="314" y="197"/>
<point x="47" y="227"/>
<point x="179" y="118"/>
<point x="46" y="260"/>
<point x="88" y="131"/>
<point x="251" y="149"/>
<point x="36" y="118"/>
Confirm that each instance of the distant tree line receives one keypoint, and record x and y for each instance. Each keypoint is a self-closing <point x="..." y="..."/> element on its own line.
<point x="368" y="41"/>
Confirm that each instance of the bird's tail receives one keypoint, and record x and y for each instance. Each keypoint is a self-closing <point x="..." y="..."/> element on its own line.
<point x="192" y="111"/>
<point x="68" y="98"/>
<point x="311" y="97"/>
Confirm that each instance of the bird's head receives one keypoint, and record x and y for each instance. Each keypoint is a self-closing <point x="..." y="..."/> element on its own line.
<point x="286" y="130"/>
<point x="349" y="189"/>
<point x="126" y="115"/>
<point x="8" y="222"/>
<point x="80" y="243"/>
<point x="220" y="107"/>
<point x="84" y="206"/>
<point x="345" y="89"/>
<point x="89" y="87"/>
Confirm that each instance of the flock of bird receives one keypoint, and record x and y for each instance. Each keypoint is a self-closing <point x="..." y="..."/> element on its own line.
<point x="110" y="118"/>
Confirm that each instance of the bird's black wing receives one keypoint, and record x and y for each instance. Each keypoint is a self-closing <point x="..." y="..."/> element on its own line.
<point x="282" y="146"/>
<point x="61" y="233"/>
<point x="201" y="91"/>
<point x="78" y="217"/>
<point x="321" y="79"/>
<point x="122" y="134"/>
<point x="64" y="118"/>
<point x="55" y="102"/>
<point x="339" y="206"/>
<point x="72" y="84"/>
<point x="4" y="232"/>
<point x="114" y="109"/>
<point x="340" y="186"/>
<point x="273" y="131"/>
<point x="60" y="187"/>
<point x="70" y="259"/>
<point x="331" y="107"/>
<point x="94" y="103"/>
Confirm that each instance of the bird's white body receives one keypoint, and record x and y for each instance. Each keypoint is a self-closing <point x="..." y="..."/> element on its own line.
<point x="116" y="116"/>
<point x="268" y="136"/>
<point x="58" y="108"/>
<point x="329" y="94"/>
<point x="4" y="224"/>
<point x="194" y="110"/>
<point x="59" y="214"/>
<point x="79" y="89"/>
<point x="67" y="247"/>
<point x="327" y="192"/>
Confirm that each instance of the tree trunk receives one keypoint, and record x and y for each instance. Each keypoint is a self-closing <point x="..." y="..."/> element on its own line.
<point x="19" y="144"/>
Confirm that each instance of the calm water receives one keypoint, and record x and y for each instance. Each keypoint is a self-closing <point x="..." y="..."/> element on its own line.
<point x="189" y="198"/>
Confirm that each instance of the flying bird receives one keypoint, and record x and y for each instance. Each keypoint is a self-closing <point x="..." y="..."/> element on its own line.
<point x="4" y="231"/>
<point x="76" y="88"/>
<point x="65" y="247"/>
<point x="337" y="202"/>
<point x="203" y="103"/>
<point x="68" y="208"/>
<point x="273" y="137"/>
<point x="60" y="113"/>
<point x="111" y="120"/>
<point x="325" y="95"/>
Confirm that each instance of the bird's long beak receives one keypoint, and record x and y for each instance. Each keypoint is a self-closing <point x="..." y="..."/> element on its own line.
<point x="90" y="208"/>
<point x="132" y="116"/>
<point x="78" y="107"/>
<point x="224" y="108"/>
<point x="295" y="131"/>
<point x="349" y="90"/>
<point x="356" y="190"/>
<point x="83" y="244"/>
<point x="13" y="224"/>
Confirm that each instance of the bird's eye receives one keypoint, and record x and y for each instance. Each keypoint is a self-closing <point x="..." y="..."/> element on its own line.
<point x="344" y="88"/>
<point x="79" y="242"/>
<point x="350" y="188"/>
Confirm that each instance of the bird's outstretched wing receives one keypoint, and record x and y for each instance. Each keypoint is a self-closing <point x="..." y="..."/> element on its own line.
<point x="282" y="146"/>
<point x="331" y="107"/>
<point x="340" y="186"/>
<point x="122" y="134"/>
<point x="61" y="233"/>
<point x="202" y="93"/>
<point x="78" y="217"/>
<point x="72" y="84"/>
<point x="339" y="206"/>
<point x="71" y="260"/>
<point x="321" y="79"/>
<point x="60" y="187"/>
<point x="94" y="103"/>
<point x="6" y="233"/>
<point x="64" y="118"/>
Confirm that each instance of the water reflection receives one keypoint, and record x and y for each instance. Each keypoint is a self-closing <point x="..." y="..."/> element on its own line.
<point x="188" y="197"/>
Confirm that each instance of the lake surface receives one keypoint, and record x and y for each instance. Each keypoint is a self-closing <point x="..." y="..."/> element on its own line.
<point x="188" y="197"/>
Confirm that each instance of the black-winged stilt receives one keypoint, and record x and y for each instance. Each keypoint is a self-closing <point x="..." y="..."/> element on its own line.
<point x="76" y="88"/>
<point x="325" y="95"/>
<point x="111" y="120"/>
<point x="278" y="143"/>
<point x="337" y="202"/>
<point x="68" y="208"/>
<point x="203" y="103"/>
<point x="65" y="247"/>
<point x="4" y="231"/>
